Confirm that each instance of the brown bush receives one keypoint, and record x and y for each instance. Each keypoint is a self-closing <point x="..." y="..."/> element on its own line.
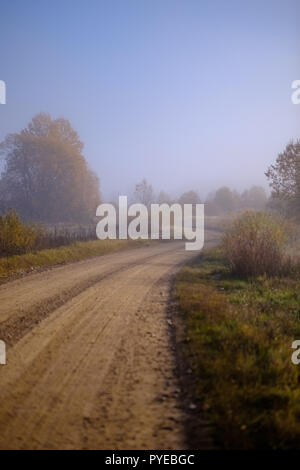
<point x="16" y="237"/>
<point x="254" y="245"/>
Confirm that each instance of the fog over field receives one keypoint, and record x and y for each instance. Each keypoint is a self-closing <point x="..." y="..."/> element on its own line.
<point x="150" y="227"/>
<point x="190" y="95"/>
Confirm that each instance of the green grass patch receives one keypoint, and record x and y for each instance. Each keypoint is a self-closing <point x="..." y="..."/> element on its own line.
<point x="238" y="342"/>
<point x="19" y="264"/>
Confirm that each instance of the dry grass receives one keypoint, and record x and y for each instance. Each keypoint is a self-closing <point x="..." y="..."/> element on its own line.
<point x="16" y="237"/>
<point x="19" y="264"/>
<point x="238" y="342"/>
<point x="24" y="247"/>
<point x="255" y="244"/>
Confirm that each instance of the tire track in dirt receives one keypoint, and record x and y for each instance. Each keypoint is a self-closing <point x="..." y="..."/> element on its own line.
<point x="94" y="367"/>
<point x="99" y="371"/>
<point x="17" y="320"/>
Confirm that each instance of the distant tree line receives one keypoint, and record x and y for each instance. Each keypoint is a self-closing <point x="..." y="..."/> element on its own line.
<point x="284" y="181"/>
<point x="222" y="201"/>
<point x="45" y="176"/>
<point x="225" y="200"/>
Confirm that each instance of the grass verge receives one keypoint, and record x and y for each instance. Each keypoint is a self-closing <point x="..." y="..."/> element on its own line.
<point x="238" y="339"/>
<point x="19" y="264"/>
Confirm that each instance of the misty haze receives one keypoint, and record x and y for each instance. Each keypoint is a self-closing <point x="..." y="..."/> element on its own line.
<point x="118" y="333"/>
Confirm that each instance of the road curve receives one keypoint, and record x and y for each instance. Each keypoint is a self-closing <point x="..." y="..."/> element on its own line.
<point x="89" y="361"/>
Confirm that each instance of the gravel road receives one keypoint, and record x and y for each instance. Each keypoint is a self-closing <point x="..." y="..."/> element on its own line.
<point x="89" y="354"/>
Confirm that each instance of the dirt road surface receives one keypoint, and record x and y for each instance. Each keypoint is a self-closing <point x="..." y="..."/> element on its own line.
<point x="89" y="355"/>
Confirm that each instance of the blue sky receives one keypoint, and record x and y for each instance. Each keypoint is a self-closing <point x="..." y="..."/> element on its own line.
<point x="189" y="94"/>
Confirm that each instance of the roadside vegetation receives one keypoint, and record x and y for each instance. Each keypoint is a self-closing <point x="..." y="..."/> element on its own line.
<point x="241" y="308"/>
<point x="24" y="247"/>
<point x="255" y="244"/>
<point x="12" y="266"/>
<point x="18" y="237"/>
